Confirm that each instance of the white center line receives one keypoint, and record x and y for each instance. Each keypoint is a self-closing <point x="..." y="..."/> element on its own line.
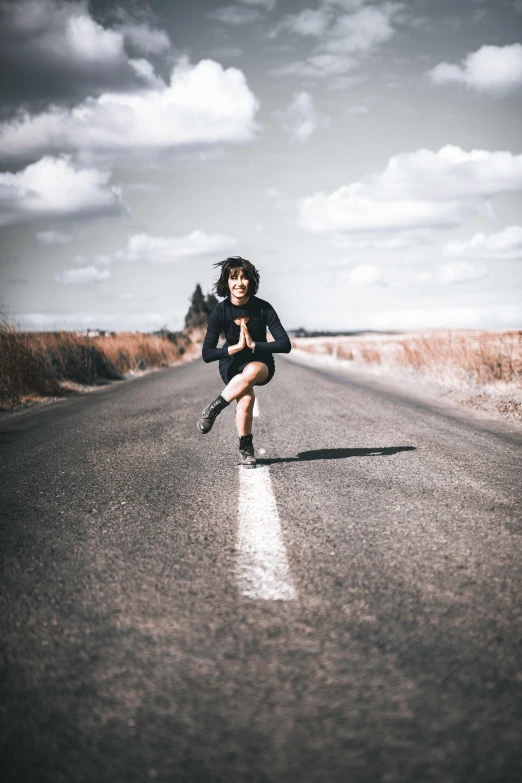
<point x="256" y="411"/>
<point x="262" y="568"/>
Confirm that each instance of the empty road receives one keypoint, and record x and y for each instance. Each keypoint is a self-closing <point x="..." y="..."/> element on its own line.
<point x="348" y="611"/>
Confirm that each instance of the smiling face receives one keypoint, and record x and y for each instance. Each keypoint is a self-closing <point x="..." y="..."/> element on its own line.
<point x="238" y="283"/>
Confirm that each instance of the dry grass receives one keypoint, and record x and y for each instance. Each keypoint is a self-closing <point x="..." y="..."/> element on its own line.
<point x="477" y="368"/>
<point x="50" y="364"/>
<point x="482" y="357"/>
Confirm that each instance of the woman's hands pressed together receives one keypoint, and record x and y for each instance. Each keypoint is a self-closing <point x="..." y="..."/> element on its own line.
<point x="245" y="340"/>
<point x="248" y="339"/>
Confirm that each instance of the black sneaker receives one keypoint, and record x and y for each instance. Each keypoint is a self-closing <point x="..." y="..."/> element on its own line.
<point x="246" y="451"/>
<point x="210" y="413"/>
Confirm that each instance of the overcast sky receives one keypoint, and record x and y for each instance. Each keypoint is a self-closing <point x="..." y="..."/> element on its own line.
<point x="365" y="156"/>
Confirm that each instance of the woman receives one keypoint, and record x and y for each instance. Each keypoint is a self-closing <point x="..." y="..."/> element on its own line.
<point x="246" y="359"/>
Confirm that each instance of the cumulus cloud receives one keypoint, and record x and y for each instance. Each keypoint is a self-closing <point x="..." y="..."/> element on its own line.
<point x="423" y="189"/>
<point x="309" y="22"/>
<point x="49" y="238"/>
<point x="54" y="188"/>
<point x="203" y="104"/>
<point x="143" y="248"/>
<point x="492" y="70"/>
<point x="505" y="244"/>
<point x="461" y="272"/>
<point x="362" y="31"/>
<point x="88" y="274"/>
<point x="344" y="31"/>
<point x="301" y="118"/>
<point x="55" y="50"/>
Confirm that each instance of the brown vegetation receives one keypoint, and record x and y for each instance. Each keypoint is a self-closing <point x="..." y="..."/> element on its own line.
<point x="480" y="369"/>
<point x="52" y="364"/>
<point x="483" y="357"/>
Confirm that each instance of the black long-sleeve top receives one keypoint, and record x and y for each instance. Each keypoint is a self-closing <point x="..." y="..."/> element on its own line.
<point x="262" y="315"/>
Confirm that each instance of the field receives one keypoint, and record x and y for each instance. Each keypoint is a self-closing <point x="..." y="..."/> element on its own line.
<point x="39" y="366"/>
<point x="482" y="369"/>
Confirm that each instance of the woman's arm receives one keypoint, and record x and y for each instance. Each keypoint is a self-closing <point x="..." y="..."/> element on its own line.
<point x="281" y="342"/>
<point x="209" y="351"/>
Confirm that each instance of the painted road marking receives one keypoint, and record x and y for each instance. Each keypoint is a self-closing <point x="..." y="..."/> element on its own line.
<point x="262" y="568"/>
<point x="256" y="408"/>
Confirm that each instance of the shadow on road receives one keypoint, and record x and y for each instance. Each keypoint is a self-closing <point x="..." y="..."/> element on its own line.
<point x="303" y="456"/>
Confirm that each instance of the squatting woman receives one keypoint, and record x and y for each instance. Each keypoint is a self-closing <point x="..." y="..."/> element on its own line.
<point x="246" y="359"/>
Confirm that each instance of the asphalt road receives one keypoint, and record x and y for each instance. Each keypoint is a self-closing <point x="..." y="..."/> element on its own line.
<point x="131" y="653"/>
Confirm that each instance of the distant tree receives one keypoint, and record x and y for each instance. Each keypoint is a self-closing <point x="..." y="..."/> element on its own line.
<point x="210" y="303"/>
<point x="198" y="300"/>
<point x="200" y="308"/>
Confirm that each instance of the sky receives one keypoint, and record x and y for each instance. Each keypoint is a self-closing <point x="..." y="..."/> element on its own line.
<point x="365" y="156"/>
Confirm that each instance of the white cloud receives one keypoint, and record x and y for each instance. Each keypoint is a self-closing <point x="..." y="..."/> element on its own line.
<point x="88" y="274"/>
<point x="364" y="274"/>
<point x="461" y="272"/>
<point x="49" y="238"/>
<point x="492" y="70"/>
<point x="64" y="30"/>
<point x="53" y="188"/>
<point x="505" y="244"/>
<point x="142" y="248"/>
<point x="345" y="31"/>
<point x="144" y="70"/>
<point x="423" y="189"/>
<point x="301" y="118"/>
<point x="56" y="50"/>
<point x="203" y="104"/>
<point x="310" y="22"/>
<point x="450" y="173"/>
<point x="235" y="15"/>
<point x="362" y="31"/>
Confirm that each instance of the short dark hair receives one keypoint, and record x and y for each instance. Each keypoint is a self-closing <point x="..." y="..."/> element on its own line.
<point x="229" y="265"/>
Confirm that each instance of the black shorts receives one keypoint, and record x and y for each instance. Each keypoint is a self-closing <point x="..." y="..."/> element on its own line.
<point x="228" y="371"/>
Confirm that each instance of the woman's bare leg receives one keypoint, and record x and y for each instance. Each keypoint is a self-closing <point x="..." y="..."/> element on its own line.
<point x="245" y="412"/>
<point x="254" y="372"/>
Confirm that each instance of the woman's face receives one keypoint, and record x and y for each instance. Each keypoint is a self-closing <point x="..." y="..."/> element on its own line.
<point x="238" y="283"/>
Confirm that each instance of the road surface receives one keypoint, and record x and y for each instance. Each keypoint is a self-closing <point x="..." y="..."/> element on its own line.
<point x="348" y="611"/>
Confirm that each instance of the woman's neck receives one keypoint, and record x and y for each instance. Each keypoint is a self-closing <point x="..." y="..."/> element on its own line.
<point x="239" y="302"/>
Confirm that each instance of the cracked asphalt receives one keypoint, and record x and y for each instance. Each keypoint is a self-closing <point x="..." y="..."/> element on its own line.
<point x="129" y="654"/>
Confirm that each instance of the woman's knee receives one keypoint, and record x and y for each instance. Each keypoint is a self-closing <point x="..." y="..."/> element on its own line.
<point x="246" y="399"/>
<point x="256" y="371"/>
